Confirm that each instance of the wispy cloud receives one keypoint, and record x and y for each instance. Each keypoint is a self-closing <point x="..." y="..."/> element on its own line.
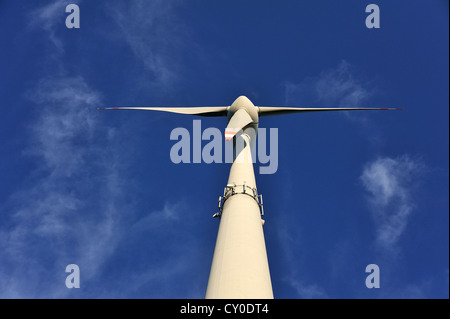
<point x="68" y="210"/>
<point x="155" y="35"/>
<point x="170" y="253"/>
<point x="305" y="291"/>
<point x="49" y="18"/>
<point x="74" y="207"/>
<point x="337" y="87"/>
<point x="389" y="183"/>
<point x="291" y="245"/>
<point x="61" y="215"/>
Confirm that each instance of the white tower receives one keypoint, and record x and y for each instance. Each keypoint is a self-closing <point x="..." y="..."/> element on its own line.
<point x="240" y="268"/>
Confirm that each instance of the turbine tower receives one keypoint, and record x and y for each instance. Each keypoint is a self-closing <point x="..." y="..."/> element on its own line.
<point x="240" y="268"/>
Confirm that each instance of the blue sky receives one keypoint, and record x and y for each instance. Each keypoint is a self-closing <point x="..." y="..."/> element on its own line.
<point x="98" y="189"/>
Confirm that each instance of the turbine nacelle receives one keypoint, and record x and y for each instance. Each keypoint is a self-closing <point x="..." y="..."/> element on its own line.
<point x="239" y="115"/>
<point x="242" y="102"/>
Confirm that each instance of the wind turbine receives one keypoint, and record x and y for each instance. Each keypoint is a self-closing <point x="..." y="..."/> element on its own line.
<point x="240" y="268"/>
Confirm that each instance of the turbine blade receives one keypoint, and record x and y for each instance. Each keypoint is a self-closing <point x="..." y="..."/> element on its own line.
<point x="198" y="110"/>
<point x="237" y="122"/>
<point x="270" y="110"/>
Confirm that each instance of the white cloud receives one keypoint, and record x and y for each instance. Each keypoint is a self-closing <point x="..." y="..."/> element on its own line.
<point x="389" y="183"/>
<point x="151" y="29"/>
<point x="337" y="87"/>
<point x="67" y="116"/>
<point x="154" y="34"/>
<point x="61" y="215"/>
<point x="49" y="18"/>
<point x="305" y="291"/>
<point x="73" y="208"/>
<point x="158" y="218"/>
<point x="292" y="250"/>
